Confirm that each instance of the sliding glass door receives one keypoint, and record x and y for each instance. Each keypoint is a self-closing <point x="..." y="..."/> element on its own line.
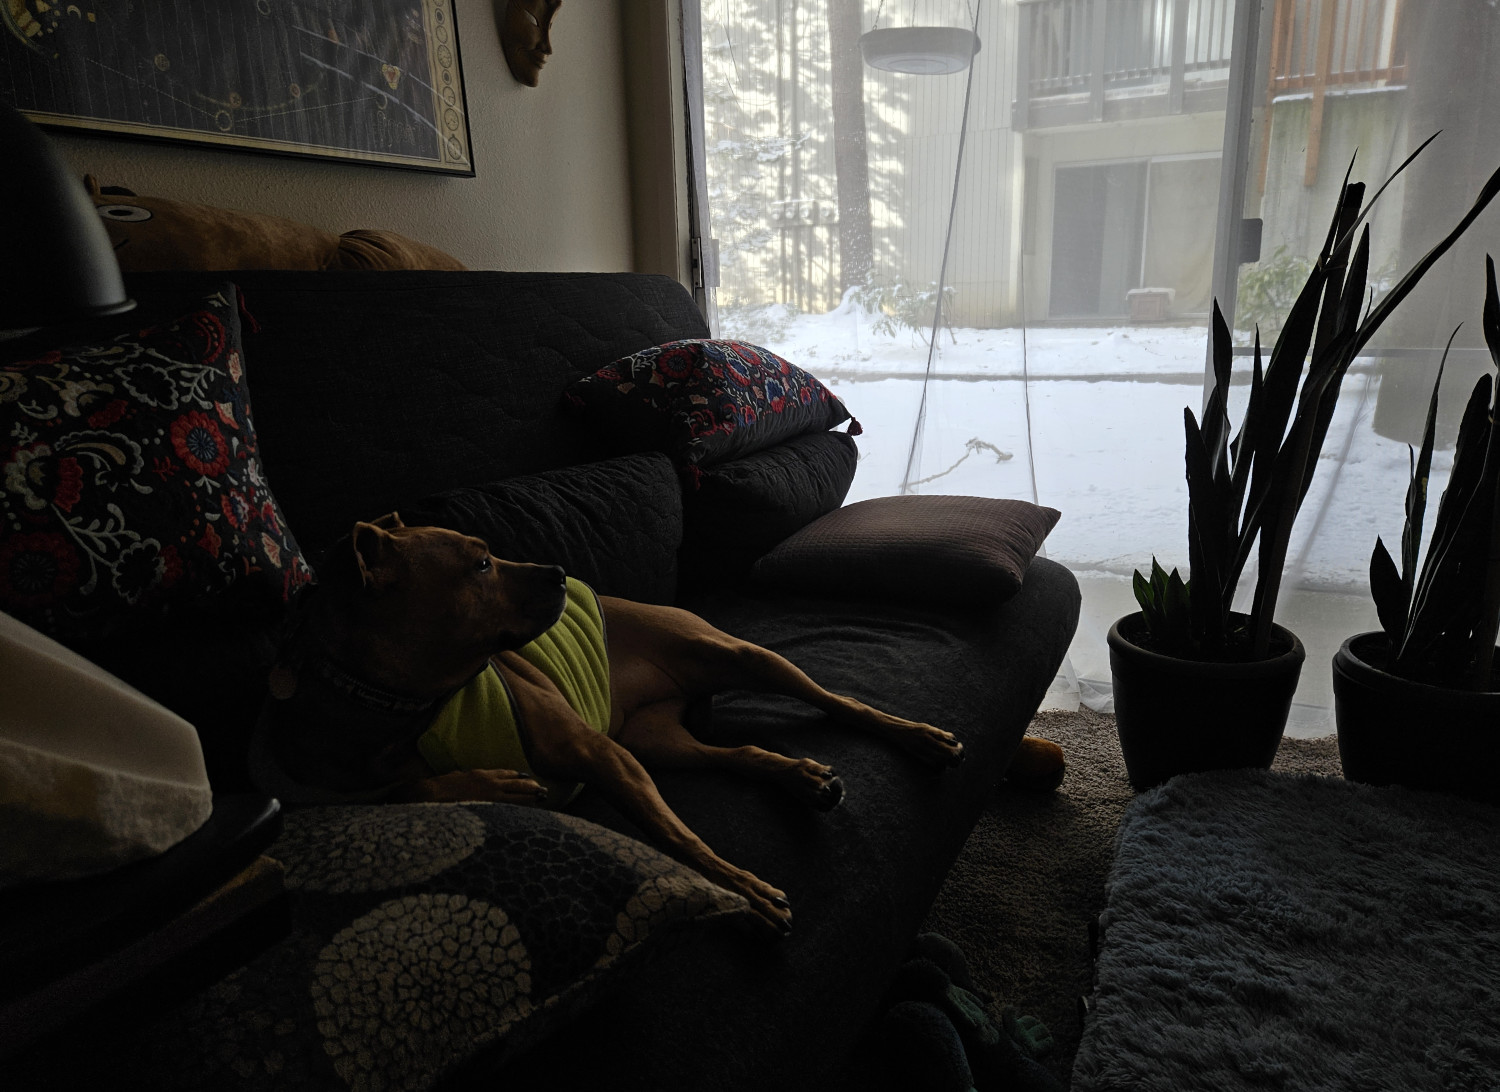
<point x="1004" y="260"/>
<point x="1355" y="86"/>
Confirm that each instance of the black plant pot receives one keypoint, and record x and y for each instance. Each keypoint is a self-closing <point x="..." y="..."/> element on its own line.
<point x="1186" y="716"/>
<point x="1393" y="731"/>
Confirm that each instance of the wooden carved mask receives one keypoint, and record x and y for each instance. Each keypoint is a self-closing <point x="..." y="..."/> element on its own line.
<point x="526" y="37"/>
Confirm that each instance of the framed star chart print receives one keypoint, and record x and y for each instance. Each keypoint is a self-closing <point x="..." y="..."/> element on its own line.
<point x="373" y="81"/>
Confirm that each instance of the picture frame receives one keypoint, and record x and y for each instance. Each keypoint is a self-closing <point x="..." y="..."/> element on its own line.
<point x="366" y="81"/>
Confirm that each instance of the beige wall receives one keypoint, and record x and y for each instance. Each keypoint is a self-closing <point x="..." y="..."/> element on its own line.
<point x="552" y="185"/>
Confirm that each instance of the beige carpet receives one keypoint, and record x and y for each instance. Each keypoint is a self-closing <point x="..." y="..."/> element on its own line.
<point x="1031" y="877"/>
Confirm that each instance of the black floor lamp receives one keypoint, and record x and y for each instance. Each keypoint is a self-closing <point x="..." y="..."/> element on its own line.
<point x="90" y="951"/>
<point x="58" y="267"/>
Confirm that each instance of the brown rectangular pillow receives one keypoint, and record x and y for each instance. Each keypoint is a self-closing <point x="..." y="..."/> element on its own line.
<point x="939" y="550"/>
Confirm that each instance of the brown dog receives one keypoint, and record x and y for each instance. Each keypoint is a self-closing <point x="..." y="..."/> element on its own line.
<point x="407" y="616"/>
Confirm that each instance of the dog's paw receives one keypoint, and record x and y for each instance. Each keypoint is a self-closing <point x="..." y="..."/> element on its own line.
<point x="811" y="782"/>
<point x="1038" y="765"/>
<point x="772" y="911"/>
<point x="830" y="795"/>
<point x="932" y="745"/>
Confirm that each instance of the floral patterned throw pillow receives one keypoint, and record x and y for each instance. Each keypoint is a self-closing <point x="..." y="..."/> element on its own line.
<point x="703" y="401"/>
<point x="130" y="478"/>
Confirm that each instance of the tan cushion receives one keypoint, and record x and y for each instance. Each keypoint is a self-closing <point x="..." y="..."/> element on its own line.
<point x="156" y="233"/>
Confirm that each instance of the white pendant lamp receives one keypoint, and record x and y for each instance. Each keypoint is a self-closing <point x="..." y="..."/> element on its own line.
<point x="918" y="50"/>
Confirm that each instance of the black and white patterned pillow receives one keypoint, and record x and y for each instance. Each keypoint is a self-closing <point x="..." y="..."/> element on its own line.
<point x="422" y="936"/>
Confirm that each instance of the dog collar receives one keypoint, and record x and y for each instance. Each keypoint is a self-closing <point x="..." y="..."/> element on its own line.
<point x="371" y="697"/>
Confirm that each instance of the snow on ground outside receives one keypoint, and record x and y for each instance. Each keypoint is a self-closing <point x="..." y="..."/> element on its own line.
<point x="1106" y="410"/>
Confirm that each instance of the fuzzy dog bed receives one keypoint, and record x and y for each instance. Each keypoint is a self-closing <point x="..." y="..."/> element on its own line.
<point x="1272" y="931"/>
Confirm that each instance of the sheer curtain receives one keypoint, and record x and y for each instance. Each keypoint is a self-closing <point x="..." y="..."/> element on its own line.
<point x="1006" y="271"/>
<point x="1367" y="81"/>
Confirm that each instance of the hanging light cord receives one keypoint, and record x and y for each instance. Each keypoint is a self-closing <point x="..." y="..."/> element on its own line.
<point x="1026" y="388"/>
<point x="937" y="311"/>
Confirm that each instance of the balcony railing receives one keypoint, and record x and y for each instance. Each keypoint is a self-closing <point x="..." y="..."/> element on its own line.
<point x="1097" y="60"/>
<point x="1318" y="45"/>
<point x="1321" y="43"/>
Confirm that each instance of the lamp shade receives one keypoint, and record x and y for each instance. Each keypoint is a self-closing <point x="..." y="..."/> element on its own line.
<point x="919" y="51"/>
<point x="93" y="774"/>
<point x="58" y="265"/>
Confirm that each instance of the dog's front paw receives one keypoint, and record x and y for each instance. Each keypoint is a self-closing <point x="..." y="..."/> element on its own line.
<point x="773" y="909"/>
<point x="932" y="745"/>
<point x="773" y="912"/>
<point x="814" y="784"/>
<point x="830" y="794"/>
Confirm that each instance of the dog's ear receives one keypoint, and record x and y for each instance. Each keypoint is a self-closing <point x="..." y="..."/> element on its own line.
<point x="388" y="522"/>
<point x="375" y="554"/>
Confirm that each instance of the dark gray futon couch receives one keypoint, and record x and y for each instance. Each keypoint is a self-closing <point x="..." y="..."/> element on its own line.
<point x="439" y="395"/>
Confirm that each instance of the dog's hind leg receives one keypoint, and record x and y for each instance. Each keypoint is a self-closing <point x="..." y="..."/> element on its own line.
<point x="656" y="736"/>
<point x="701" y="659"/>
<point x="757" y="668"/>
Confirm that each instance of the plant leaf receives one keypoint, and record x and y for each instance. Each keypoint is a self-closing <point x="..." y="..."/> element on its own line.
<point x="1250" y="422"/>
<point x="1166" y="604"/>
<point x="1463" y="479"/>
<point x="1487" y="626"/>
<point x="1210" y="539"/>
<point x="1404" y="164"/>
<point x="1336" y="261"/>
<point x="1389" y="595"/>
<point x="1295" y="462"/>
<point x="1416" y="496"/>
<point x="1282" y="378"/>
<point x="1336" y="345"/>
<point x="1158" y="582"/>
<point x="1403" y="287"/>
<point x="1142" y="588"/>
<point x="1179" y="603"/>
<point x="1216" y="409"/>
<point x="1443" y="593"/>
<point x="1491" y="324"/>
<point x="1330" y="373"/>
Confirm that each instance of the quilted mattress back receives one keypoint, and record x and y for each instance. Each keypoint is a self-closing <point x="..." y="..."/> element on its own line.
<point x="372" y="389"/>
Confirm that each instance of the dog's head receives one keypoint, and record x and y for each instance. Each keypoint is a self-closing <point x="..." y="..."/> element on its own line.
<point x="428" y="606"/>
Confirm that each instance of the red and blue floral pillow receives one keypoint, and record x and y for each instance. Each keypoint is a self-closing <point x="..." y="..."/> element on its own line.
<point x="703" y="401"/>
<point x="131" y="480"/>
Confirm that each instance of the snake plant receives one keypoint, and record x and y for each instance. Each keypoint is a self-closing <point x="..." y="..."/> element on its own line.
<point x="1244" y="494"/>
<point x="1440" y="629"/>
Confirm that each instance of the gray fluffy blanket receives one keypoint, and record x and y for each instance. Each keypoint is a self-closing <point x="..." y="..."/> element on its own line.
<point x="1270" y="931"/>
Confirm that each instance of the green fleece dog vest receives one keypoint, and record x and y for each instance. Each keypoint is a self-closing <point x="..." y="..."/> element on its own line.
<point x="477" y="727"/>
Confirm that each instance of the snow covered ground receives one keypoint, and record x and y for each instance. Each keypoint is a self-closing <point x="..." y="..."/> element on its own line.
<point x="1106" y="449"/>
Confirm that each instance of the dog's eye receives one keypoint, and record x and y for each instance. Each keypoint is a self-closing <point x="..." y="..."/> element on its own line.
<point x="483" y="566"/>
